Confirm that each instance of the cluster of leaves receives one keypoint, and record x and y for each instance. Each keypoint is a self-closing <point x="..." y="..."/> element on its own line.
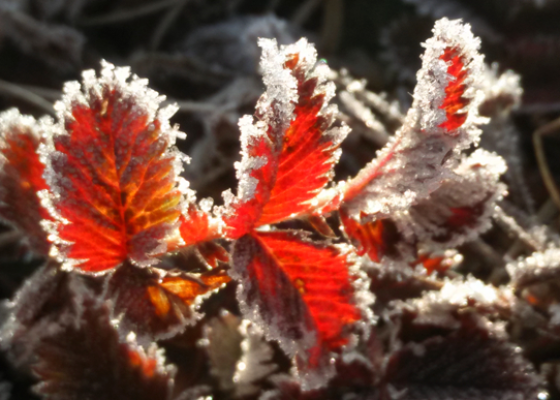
<point x="317" y="266"/>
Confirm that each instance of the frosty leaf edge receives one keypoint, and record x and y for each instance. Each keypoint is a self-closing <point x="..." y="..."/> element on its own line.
<point x="115" y="191"/>
<point x="442" y="121"/>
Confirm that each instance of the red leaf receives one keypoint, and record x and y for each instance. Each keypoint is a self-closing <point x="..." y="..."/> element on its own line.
<point x="84" y="359"/>
<point x="199" y="228"/>
<point x="303" y="294"/>
<point x="433" y="263"/>
<point x="21" y="177"/>
<point x="442" y="121"/>
<point x="211" y="253"/>
<point x="157" y="304"/>
<point x="112" y="172"/>
<point x="289" y="153"/>
<point x="454" y="101"/>
<point x="374" y="238"/>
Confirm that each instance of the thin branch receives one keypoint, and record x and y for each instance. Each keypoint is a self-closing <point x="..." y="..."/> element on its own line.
<point x="511" y="225"/>
<point x="26" y="95"/>
<point x="539" y="108"/>
<point x="546" y="174"/>
<point x="165" y="23"/>
<point x="128" y="14"/>
<point x="546" y="213"/>
<point x="304" y="11"/>
<point x="333" y="20"/>
<point x="45" y="93"/>
<point x="194" y="106"/>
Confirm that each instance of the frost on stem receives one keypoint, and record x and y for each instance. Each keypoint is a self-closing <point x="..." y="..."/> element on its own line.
<point x="442" y="121"/>
<point x="21" y="177"/>
<point x="305" y="295"/>
<point x="112" y="171"/>
<point x="289" y="148"/>
<point x="540" y="266"/>
<point x="439" y="308"/>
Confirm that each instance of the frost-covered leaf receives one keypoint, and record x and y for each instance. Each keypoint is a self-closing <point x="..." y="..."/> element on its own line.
<point x="304" y="294"/>
<point x="113" y="172"/>
<point x="198" y="225"/>
<point x="34" y="311"/>
<point x="256" y="360"/>
<point x="287" y="388"/>
<point x="289" y="148"/>
<point x="439" y="261"/>
<point x="501" y="91"/>
<point x="442" y="121"/>
<point x="86" y="360"/>
<point x="458" y="211"/>
<point x="159" y="304"/>
<point x="211" y="253"/>
<point x="222" y="342"/>
<point x="473" y="362"/>
<point x="21" y="177"/>
<point x="461" y="208"/>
